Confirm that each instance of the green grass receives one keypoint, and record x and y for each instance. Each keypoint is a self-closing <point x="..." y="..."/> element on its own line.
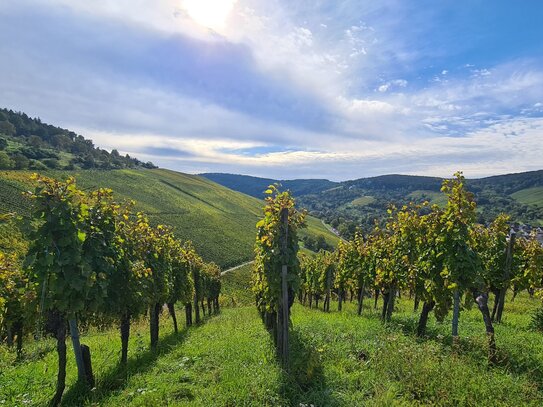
<point x="363" y="201"/>
<point x="337" y="359"/>
<point x="236" y="287"/>
<point x="530" y="196"/>
<point x="433" y="197"/>
<point x="219" y="221"/>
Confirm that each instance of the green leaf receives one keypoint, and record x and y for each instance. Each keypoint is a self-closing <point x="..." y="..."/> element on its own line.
<point x="81" y="236"/>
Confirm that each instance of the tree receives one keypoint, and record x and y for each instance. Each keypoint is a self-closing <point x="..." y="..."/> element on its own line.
<point x="183" y="284"/>
<point x="20" y="162"/>
<point x="17" y="295"/>
<point x="347" y="258"/>
<point x="492" y="245"/>
<point x="111" y="247"/>
<point x="6" y="163"/>
<point x="154" y="246"/>
<point x="3" y="143"/>
<point x="16" y="299"/>
<point x="428" y="276"/>
<point x="532" y="276"/>
<point x="7" y="128"/>
<point x="212" y="275"/>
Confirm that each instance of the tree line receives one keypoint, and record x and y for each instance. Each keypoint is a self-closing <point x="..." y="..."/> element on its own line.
<point x="93" y="260"/>
<point x="436" y="255"/>
<point x="39" y="146"/>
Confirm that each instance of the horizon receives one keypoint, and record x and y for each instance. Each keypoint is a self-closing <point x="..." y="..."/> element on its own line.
<point x="357" y="178"/>
<point x="310" y="91"/>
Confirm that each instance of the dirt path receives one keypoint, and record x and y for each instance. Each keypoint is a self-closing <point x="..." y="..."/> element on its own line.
<point x="236" y="267"/>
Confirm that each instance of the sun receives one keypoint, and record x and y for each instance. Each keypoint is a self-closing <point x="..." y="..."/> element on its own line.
<point x="209" y="13"/>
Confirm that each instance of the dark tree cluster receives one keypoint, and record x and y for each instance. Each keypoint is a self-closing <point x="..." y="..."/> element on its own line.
<point x="37" y="145"/>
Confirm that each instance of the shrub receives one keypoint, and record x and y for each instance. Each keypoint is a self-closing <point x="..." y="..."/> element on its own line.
<point x="537" y="320"/>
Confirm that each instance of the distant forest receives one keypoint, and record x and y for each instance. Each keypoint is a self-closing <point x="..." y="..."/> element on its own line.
<point x="349" y="206"/>
<point x="28" y="143"/>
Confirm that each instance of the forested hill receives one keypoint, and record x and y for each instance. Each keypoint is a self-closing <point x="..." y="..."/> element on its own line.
<point x="358" y="203"/>
<point x="28" y="143"/>
<point x="255" y="186"/>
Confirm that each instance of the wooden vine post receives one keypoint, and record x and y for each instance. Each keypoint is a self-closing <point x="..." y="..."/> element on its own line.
<point x="276" y="270"/>
<point x="284" y="288"/>
<point x="506" y="275"/>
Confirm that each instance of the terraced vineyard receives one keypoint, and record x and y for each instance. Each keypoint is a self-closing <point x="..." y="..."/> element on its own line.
<point x="219" y="221"/>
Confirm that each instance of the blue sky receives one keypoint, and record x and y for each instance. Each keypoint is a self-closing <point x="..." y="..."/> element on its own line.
<point x="286" y="89"/>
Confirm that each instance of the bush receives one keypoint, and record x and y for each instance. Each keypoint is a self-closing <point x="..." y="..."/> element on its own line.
<point x="36" y="165"/>
<point x="51" y="163"/>
<point x="6" y="163"/>
<point x="537" y="320"/>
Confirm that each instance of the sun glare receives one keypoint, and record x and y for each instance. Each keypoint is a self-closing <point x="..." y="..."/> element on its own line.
<point x="209" y="13"/>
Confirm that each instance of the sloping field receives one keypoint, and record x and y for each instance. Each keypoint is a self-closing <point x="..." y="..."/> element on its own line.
<point x="530" y="196"/>
<point x="433" y="197"/>
<point x="363" y="201"/>
<point x="219" y="221"/>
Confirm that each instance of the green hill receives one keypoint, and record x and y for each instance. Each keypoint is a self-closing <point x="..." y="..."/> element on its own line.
<point x="256" y="186"/>
<point x="363" y="201"/>
<point x="28" y="143"/>
<point x="358" y="203"/>
<point x="219" y="221"/>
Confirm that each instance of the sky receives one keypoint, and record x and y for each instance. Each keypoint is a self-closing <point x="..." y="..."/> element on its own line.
<point x="286" y="89"/>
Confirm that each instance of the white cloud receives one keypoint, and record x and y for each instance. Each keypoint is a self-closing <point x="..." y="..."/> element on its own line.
<point x="398" y="83"/>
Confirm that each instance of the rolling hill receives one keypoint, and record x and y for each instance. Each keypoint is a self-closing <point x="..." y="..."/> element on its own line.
<point x="256" y="186"/>
<point x="219" y="221"/>
<point x="358" y="203"/>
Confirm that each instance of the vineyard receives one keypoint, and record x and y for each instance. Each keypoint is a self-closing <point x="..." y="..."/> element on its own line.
<point x="219" y="222"/>
<point x="438" y="256"/>
<point x="353" y="326"/>
<point x="95" y="261"/>
<point x="354" y="360"/>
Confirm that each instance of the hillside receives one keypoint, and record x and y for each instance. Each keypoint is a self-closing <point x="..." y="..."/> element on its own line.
<point x="219" y="221"/>
<point x="529" y="196"/>
<point x="256" y="186"/>
<point x="358" y="203"/>
<point x="28" y="143"/>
